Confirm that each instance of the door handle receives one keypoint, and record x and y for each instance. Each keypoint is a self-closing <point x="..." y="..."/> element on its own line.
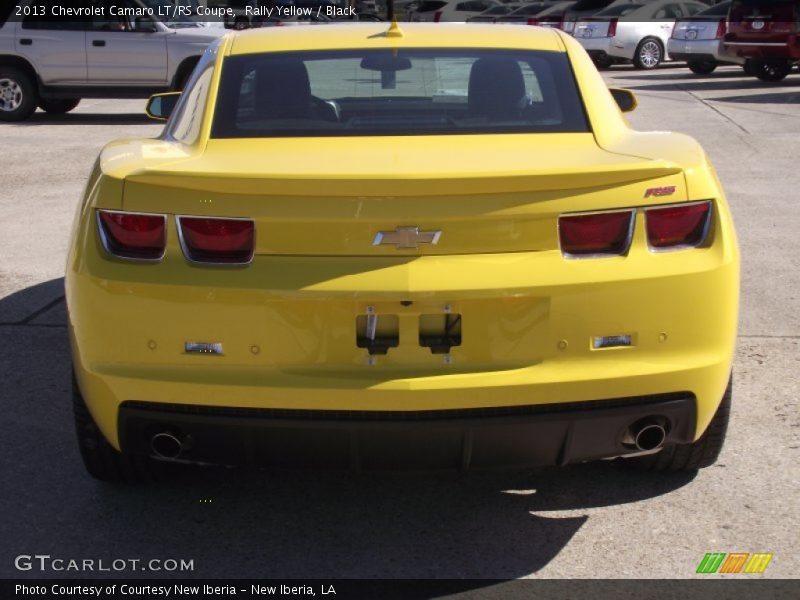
<point x="98" y="43"/>
<point x="26" y="42"/>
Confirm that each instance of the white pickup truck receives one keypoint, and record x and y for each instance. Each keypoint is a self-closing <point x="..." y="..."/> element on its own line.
<point x="52" y="60"/>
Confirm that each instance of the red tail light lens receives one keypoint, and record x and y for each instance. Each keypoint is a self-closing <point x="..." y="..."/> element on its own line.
<point x="533" y="21"/>
<point x="222" y="241"/>
<point x="437" y="16"/>
<point x="596" y="233"/>
<point x="612" y="28"/>
<point x="721" y="29"/>
<point x="678" y="226"/>
<point x="133" y="236"/>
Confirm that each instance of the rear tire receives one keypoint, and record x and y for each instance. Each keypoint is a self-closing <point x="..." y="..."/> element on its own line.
<point x="101" y="459"/>
<point x="58" y="106"/>
<point x="649" y="54"/>
<point x="18" y="95"/>
<point x="697" y="455"/>
<point x="771" y="70"/>
<point x="703" y="67"/>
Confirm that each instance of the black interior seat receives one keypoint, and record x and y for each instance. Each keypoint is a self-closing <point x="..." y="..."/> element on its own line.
<point x="496" y="89"/>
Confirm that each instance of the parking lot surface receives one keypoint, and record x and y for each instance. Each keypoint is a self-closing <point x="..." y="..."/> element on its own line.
<point x="594" y="520"/>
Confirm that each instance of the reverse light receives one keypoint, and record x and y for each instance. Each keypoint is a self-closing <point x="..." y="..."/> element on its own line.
<point x="217" y="240"/>
<point x="596" y="234"/>
<point x="133" y="236"/>
<point x="677" y="226"/>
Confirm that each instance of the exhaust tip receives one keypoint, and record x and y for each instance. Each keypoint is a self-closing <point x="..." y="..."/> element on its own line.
<point x="166" y="445"/>
<point x="649" y="437"/>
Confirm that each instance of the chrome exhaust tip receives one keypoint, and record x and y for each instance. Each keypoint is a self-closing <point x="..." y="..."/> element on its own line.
<point x="646" y="434"/>
<point x="166" y="445"/>
<point x="649" y="437"/>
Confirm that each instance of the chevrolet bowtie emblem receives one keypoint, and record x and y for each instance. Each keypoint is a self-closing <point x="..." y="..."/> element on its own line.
<point x="406" y="238"/>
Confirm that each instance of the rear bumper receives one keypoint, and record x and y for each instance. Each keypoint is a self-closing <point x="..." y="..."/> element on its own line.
<point x="450" y="439"/>
<point x="702" y="50"/>
<point x="787" y="48"/>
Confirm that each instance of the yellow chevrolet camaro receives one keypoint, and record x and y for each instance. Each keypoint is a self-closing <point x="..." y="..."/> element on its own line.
<point x="366" y="246"/>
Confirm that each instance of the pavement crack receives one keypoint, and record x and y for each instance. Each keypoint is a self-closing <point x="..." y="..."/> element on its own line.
<point x="711" y="106"/>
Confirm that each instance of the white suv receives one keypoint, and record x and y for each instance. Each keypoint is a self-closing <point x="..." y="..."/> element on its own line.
<point x="53" y="62"/>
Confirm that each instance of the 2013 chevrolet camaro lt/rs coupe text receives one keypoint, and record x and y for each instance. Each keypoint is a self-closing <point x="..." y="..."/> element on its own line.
<point x="365" y="246"/>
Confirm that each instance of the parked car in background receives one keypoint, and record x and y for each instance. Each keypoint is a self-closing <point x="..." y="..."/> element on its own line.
<point x="495" y="12"/>
<point x="553" y="16"/>
<point x="436" y="11"/>
<point x="582" y="9"/>
<point x="642" y="34"/>
<point x="765" y="33"/>
<point x="53" y="63"/>
<point x="699" y="40"/>
<point x="525" y="14"/>
<point x="596" y="34"/>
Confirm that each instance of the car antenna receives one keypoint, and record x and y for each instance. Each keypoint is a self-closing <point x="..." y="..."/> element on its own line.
<point x="394" y="29"/>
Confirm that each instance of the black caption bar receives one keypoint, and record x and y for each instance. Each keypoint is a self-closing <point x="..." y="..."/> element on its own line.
<point x="383" y="589"/>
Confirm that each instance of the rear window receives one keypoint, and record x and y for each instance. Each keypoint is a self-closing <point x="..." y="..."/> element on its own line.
<point x="414" y="92"/>
<point x="718" y="10"/>
<point x="430" y="5"/>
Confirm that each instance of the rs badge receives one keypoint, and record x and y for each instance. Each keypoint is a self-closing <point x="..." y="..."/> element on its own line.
<point x="660" y="191"/>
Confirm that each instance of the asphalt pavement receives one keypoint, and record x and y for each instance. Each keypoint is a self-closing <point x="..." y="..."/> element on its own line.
<point x="593" y="520"/>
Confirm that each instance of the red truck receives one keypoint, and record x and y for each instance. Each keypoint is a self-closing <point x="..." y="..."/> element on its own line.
<point x="767" y="34"/>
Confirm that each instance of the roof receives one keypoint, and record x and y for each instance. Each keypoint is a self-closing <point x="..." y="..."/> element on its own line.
<point x="415" y="35"/>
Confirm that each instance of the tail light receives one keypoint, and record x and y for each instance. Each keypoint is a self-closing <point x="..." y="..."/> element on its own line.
<point x="437" y="16"/>
<point x="721" y="29"/>
<point x="612" y="28"/>
<point x="677" y="226"/>
<point x="133" y="236"/>
<point x="214" y="240"/>
<point x="533" y="21"/>
<point x="607" y="233"/>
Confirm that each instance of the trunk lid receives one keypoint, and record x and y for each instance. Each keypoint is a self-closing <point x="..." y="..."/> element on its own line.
<point x="759" y="22"/>
<point x="332" y="196"/>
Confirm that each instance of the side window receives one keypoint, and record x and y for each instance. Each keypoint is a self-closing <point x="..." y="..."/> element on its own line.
<point x="186" y="127"/>
<point x="52" y="18"/>
<point x="669" y="11"/>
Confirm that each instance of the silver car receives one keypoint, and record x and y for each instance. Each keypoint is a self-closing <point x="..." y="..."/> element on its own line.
<point x="699" y="40"/>
<point x="639" y="35"/>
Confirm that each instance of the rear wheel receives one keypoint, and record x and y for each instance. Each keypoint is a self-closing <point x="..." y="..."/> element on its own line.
<point x="697" y="455"/>
<point x="649" y="54"/>
<point x="771" y="70"/>
<point x="100" y="458"/>
<point x="58" y="106"/>
<point x="702" y="67"/>
<point x="18" y="95"/>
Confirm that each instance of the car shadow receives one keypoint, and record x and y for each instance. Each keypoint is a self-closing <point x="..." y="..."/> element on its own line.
<point x="240" y="522"/>
<point x="788" y="97"/>
<point x="82" y="118"/>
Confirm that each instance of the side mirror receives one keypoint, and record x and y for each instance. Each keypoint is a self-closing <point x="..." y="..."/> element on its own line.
<point x="626" y="99"/>
<point x="144" y="25"/>
<point x="160" y="106"/>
